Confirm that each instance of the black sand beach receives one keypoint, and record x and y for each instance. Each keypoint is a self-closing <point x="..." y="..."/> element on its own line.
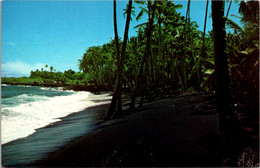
<point x="180" y="130"/>
<point x="179" y="87"/>
<point x="165" y="132"/>
<point x="50" y="138"/>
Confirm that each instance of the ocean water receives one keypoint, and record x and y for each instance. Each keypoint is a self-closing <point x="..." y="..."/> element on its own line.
<point x="27" y="108"/>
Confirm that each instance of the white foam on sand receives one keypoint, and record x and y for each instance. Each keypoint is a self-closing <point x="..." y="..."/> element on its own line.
<point x="22" y="120"/>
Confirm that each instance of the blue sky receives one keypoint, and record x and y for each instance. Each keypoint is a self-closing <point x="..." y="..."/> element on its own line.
<point x="57" y="33"/>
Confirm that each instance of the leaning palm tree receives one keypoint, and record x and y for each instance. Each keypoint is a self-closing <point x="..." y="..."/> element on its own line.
<point x="116" y="99"/>
<point x="204" y="30"/>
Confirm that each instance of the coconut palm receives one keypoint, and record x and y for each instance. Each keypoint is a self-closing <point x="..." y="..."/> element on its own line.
<point x="249" y="31"/>
<point x="146" y="53"/>
<point x="223" y="99"/>
<point x="204" y="29"/>
<point x="116" y="99"/>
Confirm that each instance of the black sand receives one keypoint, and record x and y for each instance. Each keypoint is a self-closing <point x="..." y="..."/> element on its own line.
<point x="180" y="131"/>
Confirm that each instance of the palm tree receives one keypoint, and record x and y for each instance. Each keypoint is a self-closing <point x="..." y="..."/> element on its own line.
<point x="223" y="99"/>
<point x="119" y="75"/>
<point x="51" y="68"/>
<point x="118" y="89"/>
<point x="146" y="54"/>
<point x="249" y="31"/>
<point x="204" y="30"/>
<point x="185" y="34"/>
<point x="228" y="8"/>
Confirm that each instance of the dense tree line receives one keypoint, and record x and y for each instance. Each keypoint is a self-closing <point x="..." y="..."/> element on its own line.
<point x="160" y="56"/>
<point x="170" y="54"/>
<point x="50" y="75"/>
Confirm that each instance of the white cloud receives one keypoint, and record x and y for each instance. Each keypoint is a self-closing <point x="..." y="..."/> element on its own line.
<point x="11" y="43"/>
<point x="19" y="68"/>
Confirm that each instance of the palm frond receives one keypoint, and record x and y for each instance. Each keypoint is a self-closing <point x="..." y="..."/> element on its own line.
<point x="140" y="25"/>
<point x="140" y="15"/>
<point x="236" y="16"/>
<point x="249" y="11"/>
<point x="231" y="24"/>
<point x="178" y="6"/>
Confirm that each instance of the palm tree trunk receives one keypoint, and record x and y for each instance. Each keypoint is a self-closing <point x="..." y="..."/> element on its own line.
<point x="143" y="79"/>
<point x="152" y="80"/>
<point x="204" y="30"/>
<point x="223" y="99"/>
<point x="146" y="54"/>
<point x="228" y="8"/>
<point x="184" y="71"/>
<point x="196" y="67"/>
<point x="118" y="90"/>
<point x="160" y="54"/>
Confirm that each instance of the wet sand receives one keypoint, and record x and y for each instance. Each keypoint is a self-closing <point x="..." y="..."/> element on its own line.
<point x="50" y="138"/>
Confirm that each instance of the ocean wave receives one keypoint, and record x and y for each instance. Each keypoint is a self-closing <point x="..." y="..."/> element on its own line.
<point x="22" y="120"/>
<point x="24" y="86"/>
<point x="25" y="95"/>
<point x="52" y="88"/>
<point x="20" y="99"/>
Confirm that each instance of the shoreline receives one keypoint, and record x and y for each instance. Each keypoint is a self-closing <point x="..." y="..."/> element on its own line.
<point x="146" y="137"/>
<point x="74" y="87"/>
<point x="38" y="110"/>
<point x="177" y="130"/>
<point x="49" y="138"/>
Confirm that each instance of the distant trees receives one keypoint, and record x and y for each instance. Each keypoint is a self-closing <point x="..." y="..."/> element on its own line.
<point x="69" y="74"/>
<point x="36" y="73"/>
<point x="99" y="65"/>
<point x="58" y="77"/>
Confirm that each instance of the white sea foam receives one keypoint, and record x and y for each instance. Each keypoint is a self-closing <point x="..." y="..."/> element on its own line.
<point x="20" y="99"/>
<point x="52" y="88"/>
<point x="22" y="120"/>
<point x="26" y="96"/>
<point x="25" y="86"/>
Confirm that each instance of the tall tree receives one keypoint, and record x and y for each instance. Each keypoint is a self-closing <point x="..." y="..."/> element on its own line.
<point x="204" y="30"/>
<point x="185" y="35"/>
<point x="146" y="53"/>
<point x="223" y="98"/>
<point x="116" y="99"/>
<point x="229" y="8"/>
<point x="119" y="78"/>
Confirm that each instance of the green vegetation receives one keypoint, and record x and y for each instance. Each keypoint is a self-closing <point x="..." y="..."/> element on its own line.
<point x="170" y="54"/>
<point x="24" y="80"/>
<point x="51" y="76"/>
